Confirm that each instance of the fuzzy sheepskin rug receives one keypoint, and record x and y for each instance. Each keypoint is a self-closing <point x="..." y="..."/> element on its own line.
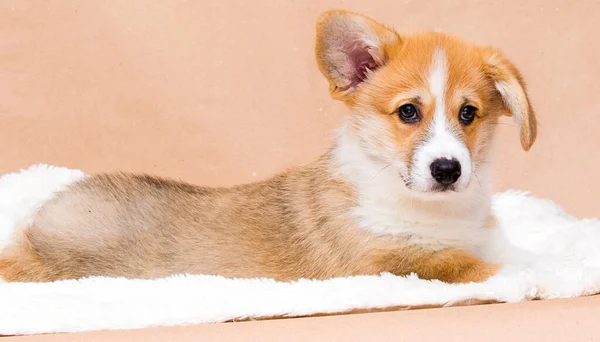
<point x="547" y="253"/>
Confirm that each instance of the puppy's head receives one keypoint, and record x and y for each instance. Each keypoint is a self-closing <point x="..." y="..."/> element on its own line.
<point x="426" y="104"/>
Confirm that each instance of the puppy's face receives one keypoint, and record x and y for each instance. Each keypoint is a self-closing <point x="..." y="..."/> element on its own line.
<point x="426" y="105"/>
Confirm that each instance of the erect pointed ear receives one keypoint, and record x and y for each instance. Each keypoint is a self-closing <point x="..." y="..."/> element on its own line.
<point x="349" y="47"/>
<point x="509" y="83"/>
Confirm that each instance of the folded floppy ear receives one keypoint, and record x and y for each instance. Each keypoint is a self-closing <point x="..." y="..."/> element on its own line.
<point x="349" y="47"/>
<point x="509" y="83"/>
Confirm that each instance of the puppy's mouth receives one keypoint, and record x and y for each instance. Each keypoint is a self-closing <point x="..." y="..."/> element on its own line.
<point x="438" y="188"/>
<point x="435" y="189"/>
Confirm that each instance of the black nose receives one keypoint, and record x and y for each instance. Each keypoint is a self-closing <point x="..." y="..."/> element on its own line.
<point x="445" y="171"/>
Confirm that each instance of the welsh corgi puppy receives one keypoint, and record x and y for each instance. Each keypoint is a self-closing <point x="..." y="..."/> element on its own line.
<point x="404" y="189"/>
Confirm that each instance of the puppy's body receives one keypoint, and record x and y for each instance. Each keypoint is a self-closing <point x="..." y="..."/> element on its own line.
<point x="398" y="192"/>
<point x="295" y="225"/>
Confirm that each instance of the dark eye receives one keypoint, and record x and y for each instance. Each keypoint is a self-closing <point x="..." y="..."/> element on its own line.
<point x="408" y="113"/>
<point x="467" y="115"/>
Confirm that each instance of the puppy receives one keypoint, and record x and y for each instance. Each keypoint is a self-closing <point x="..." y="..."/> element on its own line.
<point x="404" y="188"/>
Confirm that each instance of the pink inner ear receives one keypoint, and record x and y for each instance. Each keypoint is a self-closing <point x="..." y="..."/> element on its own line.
<point x="361" y="60"/>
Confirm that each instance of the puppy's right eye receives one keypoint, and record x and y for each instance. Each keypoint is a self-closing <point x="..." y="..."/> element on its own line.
<point x="409" y="113"/>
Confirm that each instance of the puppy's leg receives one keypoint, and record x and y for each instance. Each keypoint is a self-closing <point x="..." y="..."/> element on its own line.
<point x="451" y="265"/>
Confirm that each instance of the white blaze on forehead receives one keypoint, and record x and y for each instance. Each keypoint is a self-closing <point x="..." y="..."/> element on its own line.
<point x="442" y="141"/>
<point x="437" y="83"/>
<point x="440" y="129"/>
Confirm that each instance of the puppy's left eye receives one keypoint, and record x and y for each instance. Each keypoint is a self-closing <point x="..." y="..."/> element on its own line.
<point x="467" y="115"/>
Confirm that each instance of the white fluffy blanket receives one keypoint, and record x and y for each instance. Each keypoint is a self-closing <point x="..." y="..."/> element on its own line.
<point x="548" y="254"/>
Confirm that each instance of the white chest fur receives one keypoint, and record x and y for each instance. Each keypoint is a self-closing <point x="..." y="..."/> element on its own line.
<point x="387" y="206"/>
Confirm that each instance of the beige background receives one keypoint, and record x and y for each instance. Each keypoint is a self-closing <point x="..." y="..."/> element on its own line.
<point x="219" y="92"/>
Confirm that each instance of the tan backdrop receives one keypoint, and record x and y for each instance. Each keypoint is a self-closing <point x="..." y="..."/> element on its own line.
<point x="225" y="91"/>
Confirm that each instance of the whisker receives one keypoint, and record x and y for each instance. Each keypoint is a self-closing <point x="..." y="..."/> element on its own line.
<point x="377" y="174"/>
<point x="478" y="180"/>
